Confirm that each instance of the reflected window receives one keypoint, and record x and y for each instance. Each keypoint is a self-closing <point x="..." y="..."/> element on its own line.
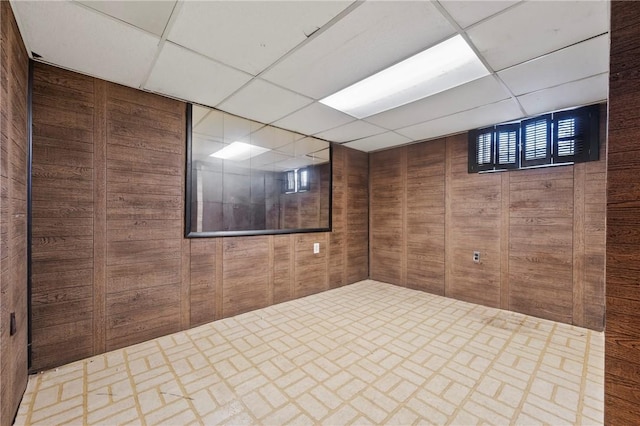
<point x="247" y="178"/>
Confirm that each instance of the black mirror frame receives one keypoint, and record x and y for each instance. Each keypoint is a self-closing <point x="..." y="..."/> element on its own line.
<point x="188" y="233"/>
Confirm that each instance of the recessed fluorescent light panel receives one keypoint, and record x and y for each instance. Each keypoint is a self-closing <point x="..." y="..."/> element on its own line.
<point x="441" y="67"/>
<point x="239" y="151"/>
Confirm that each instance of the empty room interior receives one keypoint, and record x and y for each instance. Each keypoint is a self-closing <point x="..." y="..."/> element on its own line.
<point x="319" y="212"/>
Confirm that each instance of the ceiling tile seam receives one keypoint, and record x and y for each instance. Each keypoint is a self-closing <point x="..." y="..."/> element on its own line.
<point x="490" y="17"/>
<point x="353" y="6"/>
<point x="298" y="46"/>
<point x="450" y="115"/>
<point x="553" y="51"/>
<point x="177" y="7"/>
<point x="562" y="84"/>
<point x="473" y="47"/>
<point x="113" y="18"/>
<point x="364" y="137"/>
<point x="311" y="100"/>
<point x="21" y="28"/>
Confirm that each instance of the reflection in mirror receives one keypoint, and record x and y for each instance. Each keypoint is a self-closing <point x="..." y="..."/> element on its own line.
<point x="247" y="178"/>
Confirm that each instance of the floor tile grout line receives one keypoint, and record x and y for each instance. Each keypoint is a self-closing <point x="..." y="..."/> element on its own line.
<point x="533" y="374"/>
<point x="132" y="383"/>
<point x="33" y="398"/>
<point x="583" y="382"/>
<point x="238" y="398"/>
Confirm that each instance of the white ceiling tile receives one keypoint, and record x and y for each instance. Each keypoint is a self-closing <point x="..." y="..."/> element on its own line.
<point x="469" y="12"/>
<point x="264" y="102"/>
<point x="210" y="126"/>
<point x="479" y="117"/>
<point x="198" y="113"/>
<point x="575" y="62"/>
<point x="471" y="95"/>
<point x="576" y="93"/>
<point x="313" y="119"/>
<point x="532" y="29"/>
<point x="372" y="37"/>
<point x="354" y="130"/>
<point x="382" y="141"/>
<point x="74" y="37"/>
<point x="250" y="35"/>
<point x="271" y="137"/>
<point x="150" y="16"/>
<point x="187" y="75"/>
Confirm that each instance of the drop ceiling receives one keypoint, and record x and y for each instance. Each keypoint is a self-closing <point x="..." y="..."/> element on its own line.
<point x="272" y="61"/>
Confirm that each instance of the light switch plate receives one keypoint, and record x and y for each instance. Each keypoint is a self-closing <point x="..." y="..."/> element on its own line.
<point x="316" y="248"/>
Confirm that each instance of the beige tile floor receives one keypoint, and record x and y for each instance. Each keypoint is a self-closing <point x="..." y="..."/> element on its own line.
<point x="368" y="353"/>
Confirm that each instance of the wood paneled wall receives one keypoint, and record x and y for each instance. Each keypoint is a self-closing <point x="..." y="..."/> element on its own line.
<point x="13" y="214"/>
<point x="110" y="264"/>
<point x="622" y="338"/>
<point x="540" y="232"/>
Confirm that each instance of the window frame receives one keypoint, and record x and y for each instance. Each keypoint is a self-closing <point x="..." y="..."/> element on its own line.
<point x="524" y="162"/>
<point x="585" y="149"/>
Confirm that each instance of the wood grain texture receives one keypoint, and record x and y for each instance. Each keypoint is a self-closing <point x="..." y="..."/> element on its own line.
<point x="622" y="338"/>
<point x="356" y="217"/>
<point x="425" y="216"/>
<point x="541" y="242"/>
<point x="386" y="232"/>
<point x="474" y="222"/>
<point x="155" y="281"/>
<point x="63" y="248"/>
<point x="13" y="214"/>
<point x="539" y="232"/>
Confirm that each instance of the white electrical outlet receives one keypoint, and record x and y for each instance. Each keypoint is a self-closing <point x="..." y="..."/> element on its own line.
<point x="316" y="248"/>
<point x="476" y="257"/>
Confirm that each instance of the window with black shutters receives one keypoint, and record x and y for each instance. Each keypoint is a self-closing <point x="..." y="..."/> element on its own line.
<point x="563" y="137"/>
<point x="576" y="134"/>
<point x="303" y="180"/>
<point x="481" y="150"/>
<point x="536" y="141"/>
<point x="289" y="184"/>
<point x="507" y="142"/>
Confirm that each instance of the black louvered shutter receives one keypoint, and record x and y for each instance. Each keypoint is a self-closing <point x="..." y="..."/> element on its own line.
<point x="536" y="141"/>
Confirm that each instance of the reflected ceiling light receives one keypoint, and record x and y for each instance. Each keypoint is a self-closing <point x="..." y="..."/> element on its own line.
<point x="441" y="67"/>
<point x="239" y="151"/>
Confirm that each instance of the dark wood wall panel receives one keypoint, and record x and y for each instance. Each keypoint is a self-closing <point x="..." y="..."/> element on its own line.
<point x="246" y="268"/>
<point x="144" y="206"/>
<point x="338" y="237"/>
<point x="541" y="243"/>
<point x="311" y="268"/>
<point x="62" y="216"/>
<point x="111" y="264"/>
<point x="622" y="338"/>
<point x="283" y="268"/>
<point x="425" y="217"/>
<point x="356" y="207"/>
<point x="13" y="214"/>
<point x="203" y="281"/>
<point x="473" y="224"/>
<point x="387" y="204"/>
<point x="540" y="233"/>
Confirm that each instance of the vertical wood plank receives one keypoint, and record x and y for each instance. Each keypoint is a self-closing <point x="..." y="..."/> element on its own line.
<point x="185" y="285"/>
<point x="578" y="243"/>
<point x="504" y="244"/>
<point x="219" y="279"/>
<point x="622" y="337"/>
<point x="344" y="219"/>
<point x="99" y="217"/>
<point x="448" y="231"/>
<point x="403" y="216"/>
<point x="292" y="267"/>
<point x="271" y="285"/>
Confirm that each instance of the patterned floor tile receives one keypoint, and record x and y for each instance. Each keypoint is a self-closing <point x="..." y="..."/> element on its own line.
<point x="368" y="353"/>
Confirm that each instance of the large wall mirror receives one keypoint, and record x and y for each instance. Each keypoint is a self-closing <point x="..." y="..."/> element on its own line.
<point x="247" y="178"/>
